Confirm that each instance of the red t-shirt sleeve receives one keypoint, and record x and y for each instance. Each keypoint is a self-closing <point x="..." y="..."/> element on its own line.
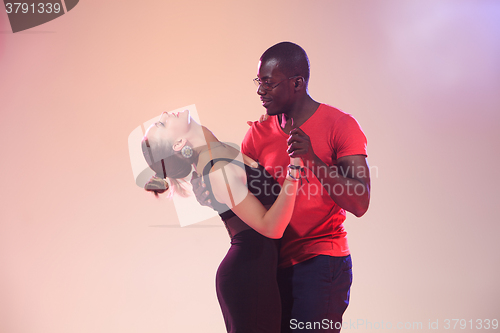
<point x="348" y="138"/>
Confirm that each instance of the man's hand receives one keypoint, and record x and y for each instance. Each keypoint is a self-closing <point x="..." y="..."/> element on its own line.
<point x="299" y="145"/>
<point x="200" y="190"/>
<point x="261" y="119"/>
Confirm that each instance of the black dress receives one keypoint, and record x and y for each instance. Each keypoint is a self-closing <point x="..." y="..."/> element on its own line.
<point x="246" y="283"/>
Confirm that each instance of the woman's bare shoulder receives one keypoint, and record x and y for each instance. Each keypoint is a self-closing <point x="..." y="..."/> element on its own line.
<point x="215" y="152"/>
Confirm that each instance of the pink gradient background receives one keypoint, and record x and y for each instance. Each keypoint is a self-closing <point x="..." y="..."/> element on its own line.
<point x="83" y="249"/>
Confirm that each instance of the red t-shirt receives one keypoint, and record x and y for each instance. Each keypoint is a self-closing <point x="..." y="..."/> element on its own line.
<point x="316" y="225"/>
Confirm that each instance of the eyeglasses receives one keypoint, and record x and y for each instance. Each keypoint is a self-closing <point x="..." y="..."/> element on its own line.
<point x="268" y="86"/>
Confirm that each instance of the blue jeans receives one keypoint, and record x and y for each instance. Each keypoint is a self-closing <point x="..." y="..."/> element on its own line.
<point x="315" y="294"/>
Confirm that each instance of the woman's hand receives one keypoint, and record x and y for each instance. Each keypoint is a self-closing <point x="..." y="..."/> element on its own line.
<point x="296" y="161"/>
<point x="200" y="190"/>
<point x="262" y="118"/>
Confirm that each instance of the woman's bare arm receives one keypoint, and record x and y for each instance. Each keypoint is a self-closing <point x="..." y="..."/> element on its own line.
<point x="229" y="187"/>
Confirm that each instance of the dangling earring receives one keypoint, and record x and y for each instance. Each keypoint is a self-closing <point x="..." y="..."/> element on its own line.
<point x="187" y="151"/>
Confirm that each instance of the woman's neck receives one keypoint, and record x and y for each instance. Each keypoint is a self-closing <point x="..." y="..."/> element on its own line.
<point x="209" y="136"/>
<point x="199" y="136"/>
<point x="206" y="143"/>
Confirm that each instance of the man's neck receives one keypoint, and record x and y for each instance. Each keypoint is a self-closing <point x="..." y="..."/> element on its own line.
<point x="300" y="112"/>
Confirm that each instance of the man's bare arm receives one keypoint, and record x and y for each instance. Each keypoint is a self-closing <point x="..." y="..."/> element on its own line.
<point x="347" y="183"/>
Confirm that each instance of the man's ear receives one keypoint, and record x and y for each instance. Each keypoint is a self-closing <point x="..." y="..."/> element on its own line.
<point x="178" y="144"/>
<point x="299" y="83"/>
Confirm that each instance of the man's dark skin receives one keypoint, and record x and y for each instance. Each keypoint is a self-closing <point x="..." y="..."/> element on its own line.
<point x="347" y="182"/>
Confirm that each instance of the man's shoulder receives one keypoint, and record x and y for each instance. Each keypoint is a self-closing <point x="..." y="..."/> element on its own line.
<point x="328" y="111"/>
<point x="266" y="127"/>
<point x="331" y="117"/>
<point x="261" y="134"/>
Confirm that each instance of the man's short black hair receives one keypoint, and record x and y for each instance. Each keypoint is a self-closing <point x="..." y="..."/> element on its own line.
<point x="292" y="59"/>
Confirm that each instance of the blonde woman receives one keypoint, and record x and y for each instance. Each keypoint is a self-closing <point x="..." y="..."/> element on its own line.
<point x="253" y="207"/>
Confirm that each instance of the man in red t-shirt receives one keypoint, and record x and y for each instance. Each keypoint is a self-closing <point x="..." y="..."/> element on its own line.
<point x="315" y="265"/>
